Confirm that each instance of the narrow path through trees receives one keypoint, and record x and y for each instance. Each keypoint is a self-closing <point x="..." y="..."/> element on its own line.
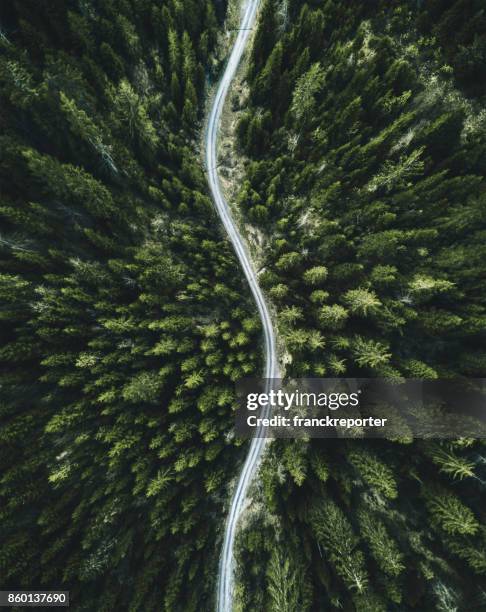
<point x="249" y="469"/>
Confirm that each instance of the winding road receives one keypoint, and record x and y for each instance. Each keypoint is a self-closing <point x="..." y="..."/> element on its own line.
<point x="250" y="466"/>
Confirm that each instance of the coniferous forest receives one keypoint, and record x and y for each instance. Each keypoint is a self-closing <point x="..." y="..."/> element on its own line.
<point x="360" y="135"/>
<point x="125" y="321"/>
<point x="365" y="133"/>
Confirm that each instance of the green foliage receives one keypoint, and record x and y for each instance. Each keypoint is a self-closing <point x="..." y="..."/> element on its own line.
<point x="365" y="138"/>
<point x="370" y="354"/>
<point x="361" y="301"/>
<point x="383" y="548"/>
<point x="450" y="514"/>
<point x="287" y="586"/>
<point x="124" y="323"/>
<point x="376" y="174"/>
<point x="316" y="275"/>
<point x="374" y="472"/>
<point x="295" y="459"/>
<point x="332" y="317"/>
<point x="450" y="463"/>
<point x="306" y="89"/>
<point x="336" y="535"/>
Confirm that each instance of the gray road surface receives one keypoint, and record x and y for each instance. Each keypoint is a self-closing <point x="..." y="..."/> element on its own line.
<point x="249" y="469"/>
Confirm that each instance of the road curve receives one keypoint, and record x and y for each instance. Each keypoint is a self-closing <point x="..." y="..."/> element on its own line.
<point x="226" y="565"/>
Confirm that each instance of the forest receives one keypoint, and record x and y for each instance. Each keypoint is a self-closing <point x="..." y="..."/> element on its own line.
<point x="126" y="321"/>
<point x="364" y="131"/>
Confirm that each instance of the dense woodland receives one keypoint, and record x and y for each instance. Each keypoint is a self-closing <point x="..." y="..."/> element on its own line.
<point x="125" y="321"/>
<point x="364" y="128"/>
